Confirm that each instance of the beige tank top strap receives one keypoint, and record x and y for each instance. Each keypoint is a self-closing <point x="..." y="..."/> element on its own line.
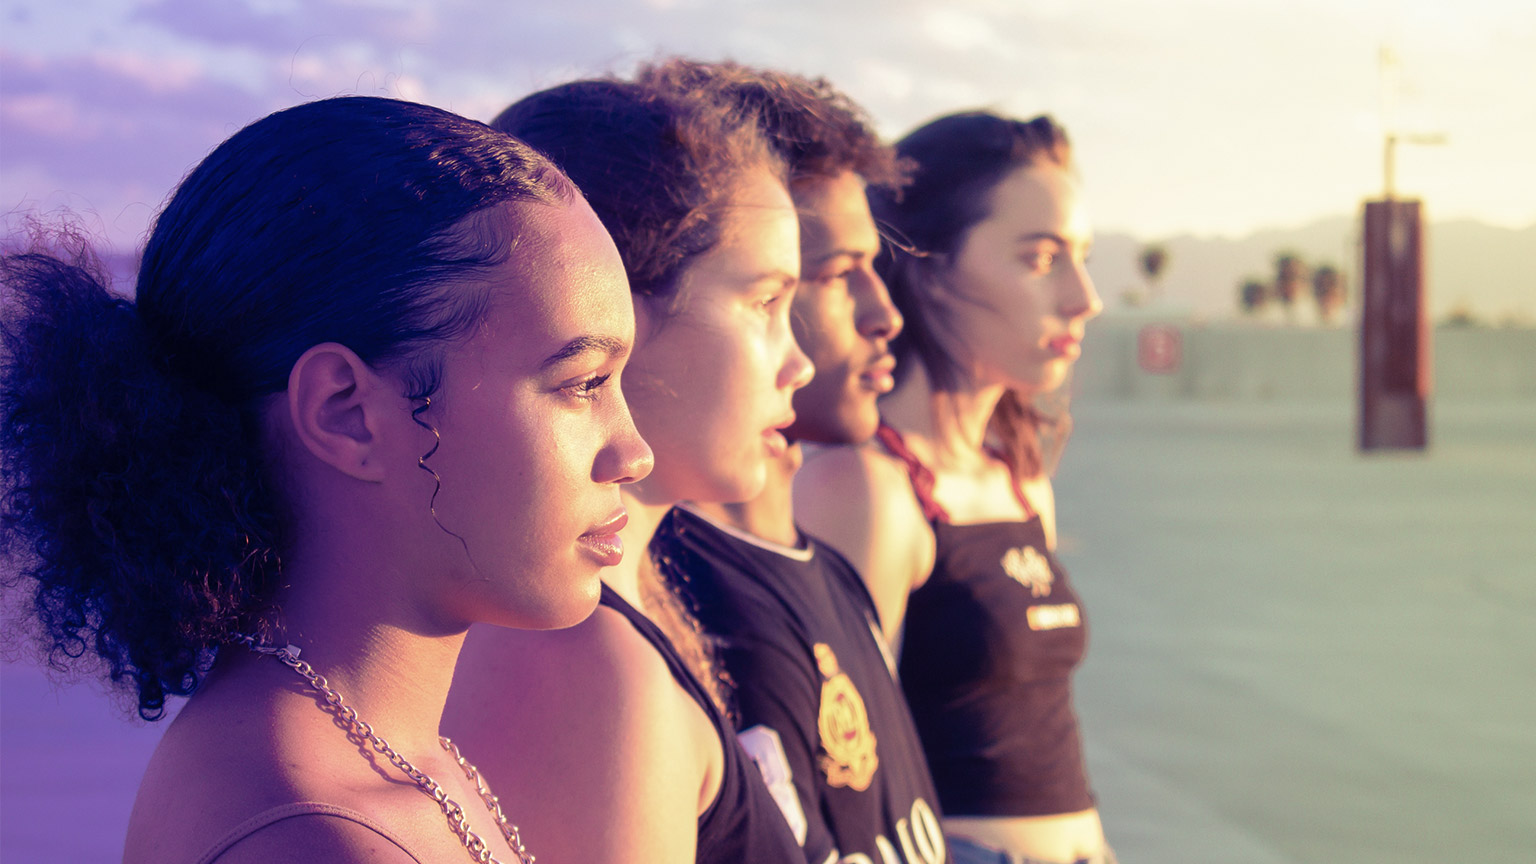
<point x="289" y="811"/>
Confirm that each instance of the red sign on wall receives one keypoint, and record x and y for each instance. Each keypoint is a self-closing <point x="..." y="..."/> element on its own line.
<point x="1160" y="349"/>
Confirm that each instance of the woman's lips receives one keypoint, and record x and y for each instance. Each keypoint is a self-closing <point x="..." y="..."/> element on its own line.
<point x="1065" y="345"/>
<point x="774" y="437"/>
<point x="879" y="376"/>
<point x="603" y="542"/>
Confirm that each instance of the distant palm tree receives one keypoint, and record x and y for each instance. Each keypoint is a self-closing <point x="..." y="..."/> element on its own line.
<point x="1461" y="316"/>
<point x="1153" y="260"/>
<point x="1328" y="291"/>
<point x="1290" y="276"/>
<point x="1253" y="294"/>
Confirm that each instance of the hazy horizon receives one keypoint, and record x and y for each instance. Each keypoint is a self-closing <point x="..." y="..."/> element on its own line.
<point x="1472" y="267"/>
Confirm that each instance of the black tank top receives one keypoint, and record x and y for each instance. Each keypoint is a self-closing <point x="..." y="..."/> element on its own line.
<point x="812" y="689"/>
<point x="990" y="644"/>
<point x="743" y="825"/>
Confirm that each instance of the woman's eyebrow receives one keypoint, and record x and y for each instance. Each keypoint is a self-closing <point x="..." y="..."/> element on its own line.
<point x="585" y="343"/>
<point x="1041" y="235"/>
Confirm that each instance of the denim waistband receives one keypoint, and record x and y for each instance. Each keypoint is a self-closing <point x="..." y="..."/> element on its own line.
<point x="965" y="851"/>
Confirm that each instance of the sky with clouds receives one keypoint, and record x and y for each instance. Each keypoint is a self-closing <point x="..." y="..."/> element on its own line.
<point x="1188" y="116"/>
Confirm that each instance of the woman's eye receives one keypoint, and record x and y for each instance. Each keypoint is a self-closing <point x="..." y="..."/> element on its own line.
<point x="1040" y="262"/>
<point x="777" y="299"/>
<point x="589" y="388"/>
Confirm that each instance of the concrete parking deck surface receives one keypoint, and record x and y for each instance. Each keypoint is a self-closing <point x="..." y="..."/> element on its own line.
<point x="1298" y="654"/>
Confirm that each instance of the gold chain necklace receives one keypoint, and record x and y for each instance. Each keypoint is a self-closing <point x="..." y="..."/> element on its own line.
<point x="477" y="848"/>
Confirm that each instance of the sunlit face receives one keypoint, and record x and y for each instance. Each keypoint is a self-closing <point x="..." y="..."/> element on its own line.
<point x="536" y="437"/>
<point x="1020" y="291"/>
<point x="710" y="384"/>
<point x="842" y="314"/>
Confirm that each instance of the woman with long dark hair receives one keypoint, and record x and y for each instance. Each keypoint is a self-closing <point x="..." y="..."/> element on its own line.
<point x="365" y="395"/>
<point x="949" y="516"/>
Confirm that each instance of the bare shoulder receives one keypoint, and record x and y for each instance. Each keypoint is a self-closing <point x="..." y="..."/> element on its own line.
<point x="865" y="468"/>
<point x="205" y="765"/>
<point x="313" y="837"/>
<point x="860" y="501"/>
<point x="843" y="489"/>
<point x="529" y="698"/>
<point x="234" y="755"/>
<point x="592" y="745"/>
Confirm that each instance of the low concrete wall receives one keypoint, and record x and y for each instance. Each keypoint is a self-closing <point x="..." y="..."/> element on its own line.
<point x="1236" y="361"/>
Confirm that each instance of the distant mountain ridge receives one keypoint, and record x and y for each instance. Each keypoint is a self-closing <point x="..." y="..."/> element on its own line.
<point x="1487" y="270"/>
<point x="1484" y="269"/>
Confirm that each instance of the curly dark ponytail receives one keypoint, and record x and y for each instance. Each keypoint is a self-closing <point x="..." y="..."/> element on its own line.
<point x="110" y="486"/>
<point x="136" y="502"/>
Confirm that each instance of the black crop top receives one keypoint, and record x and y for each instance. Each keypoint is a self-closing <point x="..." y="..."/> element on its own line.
<point x="990" y="644"/>
<point x="743" y="825"/>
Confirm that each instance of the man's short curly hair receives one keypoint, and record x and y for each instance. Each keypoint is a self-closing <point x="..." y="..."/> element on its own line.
<point x="814" y="127"/>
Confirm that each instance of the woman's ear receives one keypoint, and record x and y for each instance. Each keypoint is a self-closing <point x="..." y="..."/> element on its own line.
<point x="930" y="264"/>
<point x="334" y="404"/>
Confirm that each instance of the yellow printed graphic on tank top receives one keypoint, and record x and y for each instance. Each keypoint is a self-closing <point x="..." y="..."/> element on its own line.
<point x="1029" y="568"/>
<point x="847" y="743"/>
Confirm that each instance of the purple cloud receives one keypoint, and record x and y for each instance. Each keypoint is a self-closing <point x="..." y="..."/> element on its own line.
<point x="118" y="129"/>
<point x="237" y="24"/>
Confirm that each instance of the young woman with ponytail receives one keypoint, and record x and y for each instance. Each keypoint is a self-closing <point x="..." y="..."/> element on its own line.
<point x="364" y="395"/>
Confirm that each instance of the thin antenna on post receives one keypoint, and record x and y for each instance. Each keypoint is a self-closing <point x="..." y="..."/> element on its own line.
<point x="1387" y="60"/>
<point x="1390" y="67"/>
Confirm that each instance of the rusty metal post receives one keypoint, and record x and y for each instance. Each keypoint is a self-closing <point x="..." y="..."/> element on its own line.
<point x="1394" y="329"/>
